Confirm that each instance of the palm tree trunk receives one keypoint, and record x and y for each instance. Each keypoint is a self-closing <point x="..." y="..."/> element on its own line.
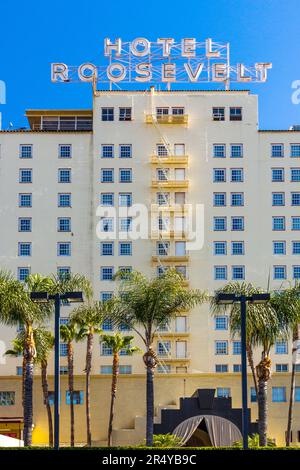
<point x="28" y="401"/>
<point x="150" y="406"/>
<point x="115" y="372"/>
<point x="88" y="387"/>
<point x="292" y="389"/>
<point x="46" y="401"/>
<point x="23" y="379"/>
<point x="71" y="389"/>
<point x="263" y="371"/>
<point x="251" y="364"/>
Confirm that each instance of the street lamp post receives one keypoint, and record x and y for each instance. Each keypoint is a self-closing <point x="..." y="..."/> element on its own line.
<point x="227" y="299"/>
<point x="43" y="297"/>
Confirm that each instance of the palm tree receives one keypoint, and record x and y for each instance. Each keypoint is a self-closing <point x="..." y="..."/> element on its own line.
<point x="16" y="308"/>
<point x="264" y="327"/>
<point x="148" y="304"/>
<point x="89" y="317"/>
<point x="44" y="344"/>
<point x="69" y="333"/>
<point x="287" y="303"/>
<point x="117" y="343"/>
<point x="16" y="351"/>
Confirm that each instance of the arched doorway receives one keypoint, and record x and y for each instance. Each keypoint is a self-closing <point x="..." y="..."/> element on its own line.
<point x="207" y="430"/>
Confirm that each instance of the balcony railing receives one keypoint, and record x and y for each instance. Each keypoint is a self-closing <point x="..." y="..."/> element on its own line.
<point x="170" y="258"/>
<point x="71" y="124"/>
<point x="167" y="118"/>
<point x="169" y="159"/>
<point x="169" y="184"/>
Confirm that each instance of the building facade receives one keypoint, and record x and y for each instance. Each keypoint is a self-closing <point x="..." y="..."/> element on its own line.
<point x="154" y="157"/>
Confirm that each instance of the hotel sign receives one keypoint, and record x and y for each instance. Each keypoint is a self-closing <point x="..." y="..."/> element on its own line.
<point x="162" y="61"/>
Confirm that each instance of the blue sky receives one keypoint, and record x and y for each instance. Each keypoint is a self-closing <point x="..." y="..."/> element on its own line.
<point x="34" y="34"/>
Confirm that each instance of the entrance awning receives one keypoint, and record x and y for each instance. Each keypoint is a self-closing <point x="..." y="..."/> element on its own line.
<point x="221" y="431"/>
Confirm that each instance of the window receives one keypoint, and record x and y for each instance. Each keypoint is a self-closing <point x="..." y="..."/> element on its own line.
<point x="24" y="249"/>
<point x="237" y="248"/>
<point x="277" y="150"/>
<point x="297" y="394"/>
<point x="235" y="114"/>
<point x="63" y="272"/>
<point x="125" y="151"/>
<point x="279" y="272"/>
<point x="106" y="273"/>
<point x="296" y="248"/>
<point x="295" y="150"/>
<point x="64" y="224"/>
<point x="77" y="397"/>
<point x="107" y="151"/>
<point x="64" y="175"/>
<point x="279" y="248"/>
<point x="223" y="392"/>
<point x="237" y="175"/>
<point x="278" y="223"/>
<point x="237" y="368"/>
<point x="253" y="397"/>
<point x="238" y="273"/>
<point x="107" y="325"/>
<point x="295" y="175"/>
<point x="104" y="296"/>
<point x="23" y="273"/>
<point x="106" y="350"/>
<point x="237" y="223"/>
<point x="162" y="248"/>
<point x="221" y="322"/>
<point x="163" y="348"/>
<point x="278" y="394"/>
<point x="278" y="199"/>
<point x="125" y="199"/>
<point x="282" y="367"/>
<point x="219" y="150"/>
<point x="221" y="368"/>
<point x="25" y="224"/>
<point x="19" y="370"/>
<point x="277" y="175"/>
<point x="296" y="272"/>
<point x="63" y="370"/>
<point x="125" y="270"/>
<point x="125" y="175"/>
<point x="65" y="151"/>
<point x="7" y="398"/>
<point x="25" y="200"/>
<point x="163" y="199"/>
<point x="219" y="175"/>
<point x="63" y="349"/>
<point x="236" y="347"/>
<point x="220" y="273"/>
<point x="218" y="114"/>
<point x="25" y="151"/>
<point x="221" y="348"/>
<point x="179" y="150"/>
<point x="163" y="369"/>
<point x="125" y="224"/>
<point x="220" y="224"/>
<point x="220" y="248"/>
<point x="107" y="175"/>
<point x="107" y="199"/>
<point x="64" y="320"/>
<point x="295" y="223"/>
<point x="64" y="249"/>
<point x="160" y="112"/>
<point x="107" y="114"/>
<point x="107" y="248"/>
<point x="281" y="347"/>
<point x="236" y="151"/>
<point x="107" y="224"/>
<point x="123" y="369"/>
<point x="64" y="200"/>
<point x="25" y="175"/>
<point x="125" y="114"/>
<point x="177" y="111"/>
<point x="295" y="199"/>
<point x="219" y="199"/>
<point x="162" y="174"/>
<point x="161" y="150"/>
<point x="237" y="199"/>
<point x="105" y="369"/>
<point x="125" y="248"/>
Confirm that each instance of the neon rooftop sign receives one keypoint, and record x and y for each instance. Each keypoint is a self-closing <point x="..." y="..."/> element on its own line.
<point x="162" y="61"/>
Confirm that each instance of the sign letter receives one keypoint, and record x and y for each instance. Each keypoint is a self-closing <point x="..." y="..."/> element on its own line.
<point x="144" y="71"/>
<point x="110" y="46"/>
<point x="59" y="72"/>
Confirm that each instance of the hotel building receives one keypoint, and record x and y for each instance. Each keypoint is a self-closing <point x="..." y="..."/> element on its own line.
<point x="165" y="150"/>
